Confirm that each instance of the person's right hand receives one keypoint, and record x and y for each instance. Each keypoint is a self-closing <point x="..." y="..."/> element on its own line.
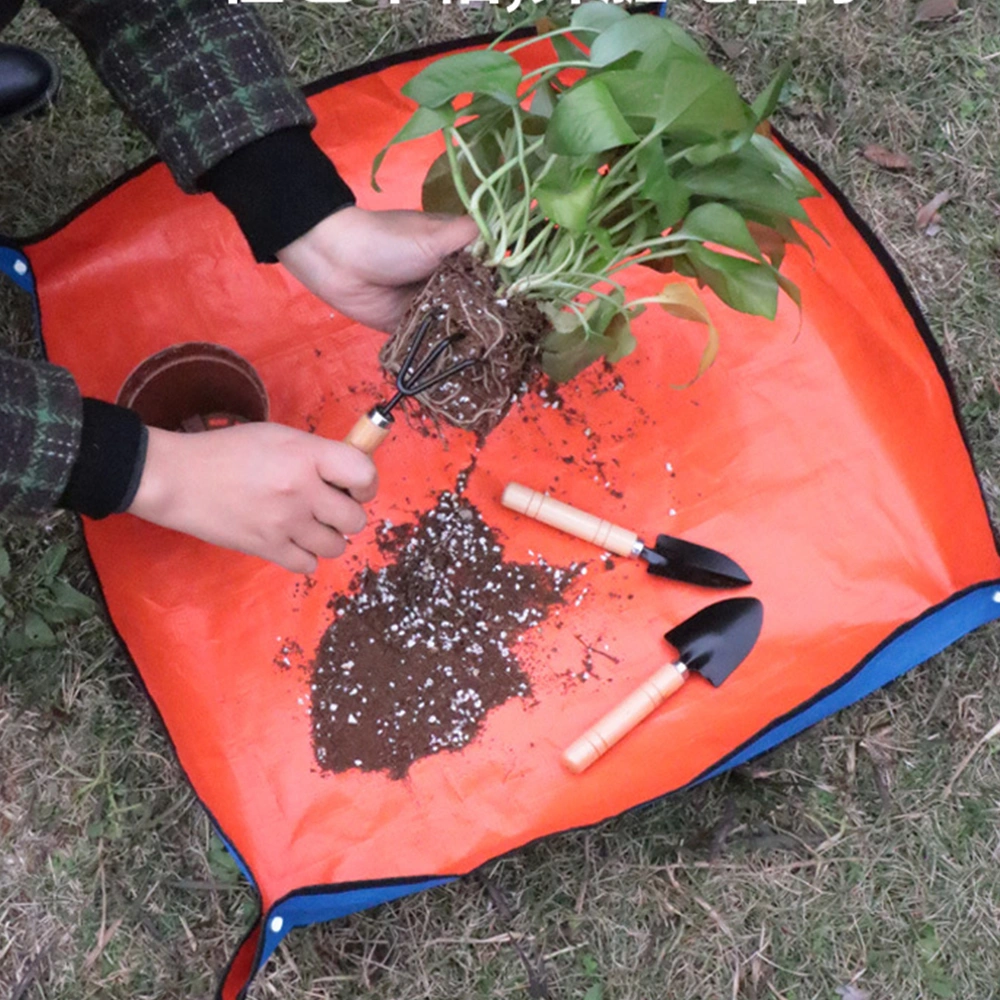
<point x="264" y="489"/>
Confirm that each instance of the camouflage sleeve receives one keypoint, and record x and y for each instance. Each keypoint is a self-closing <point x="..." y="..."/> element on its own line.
<point x="41" y="416"/>
<point x="202" y="78"/>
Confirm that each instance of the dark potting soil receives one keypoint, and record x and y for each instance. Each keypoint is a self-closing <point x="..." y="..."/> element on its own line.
<point x="421" y="650"/>
<point x="504" y="334"/>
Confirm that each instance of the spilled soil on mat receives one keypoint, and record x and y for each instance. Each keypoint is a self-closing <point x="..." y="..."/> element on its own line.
<point x="422" y="649"/>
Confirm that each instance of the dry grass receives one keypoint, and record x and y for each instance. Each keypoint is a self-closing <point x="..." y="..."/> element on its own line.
<point x="846" y="857"/>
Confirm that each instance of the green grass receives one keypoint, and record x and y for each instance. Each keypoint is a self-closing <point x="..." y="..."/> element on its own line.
<point x="844" y="857"/>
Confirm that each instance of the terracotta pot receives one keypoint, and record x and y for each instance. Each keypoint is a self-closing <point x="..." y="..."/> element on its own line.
<point x="195" y="386"/>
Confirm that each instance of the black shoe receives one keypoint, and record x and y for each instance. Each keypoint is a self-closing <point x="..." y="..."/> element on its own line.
<point x="29" y="82"/>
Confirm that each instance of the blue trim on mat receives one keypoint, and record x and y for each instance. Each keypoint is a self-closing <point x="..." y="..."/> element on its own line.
<point x="16" y="266"/>
<point x="303" y="909"/>
<point x="917" y="642"/>
<point x="914" y="643"/>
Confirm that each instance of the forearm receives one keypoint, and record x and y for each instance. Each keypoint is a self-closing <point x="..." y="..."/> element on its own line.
<point x="41" y="415"/>
<point x="205" y="82"/>
<point x="202" y="78"/>
<point x="59" y="450"/>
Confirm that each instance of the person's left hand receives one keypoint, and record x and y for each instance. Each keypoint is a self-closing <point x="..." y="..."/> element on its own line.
<point x="368" y="265"/>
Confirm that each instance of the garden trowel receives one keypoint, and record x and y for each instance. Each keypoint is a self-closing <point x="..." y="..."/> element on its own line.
<point x="669" y="557"/>
<point x="714" y="642"/>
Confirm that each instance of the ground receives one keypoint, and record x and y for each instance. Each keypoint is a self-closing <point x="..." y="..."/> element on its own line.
<point x="851" y="862"/>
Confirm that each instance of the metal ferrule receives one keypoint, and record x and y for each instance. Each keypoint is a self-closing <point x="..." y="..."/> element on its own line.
<point x="380" y="419"/>
<point x="637" y="547"/>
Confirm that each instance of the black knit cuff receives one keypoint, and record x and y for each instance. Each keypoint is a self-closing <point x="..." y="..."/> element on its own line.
<point x="278" y="188"/>
<point x="106" y="474"/>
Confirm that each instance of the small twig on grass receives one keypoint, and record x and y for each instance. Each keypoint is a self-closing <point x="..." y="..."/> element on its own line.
<point x="506" y="938"/>
<point x="707" y="907"/>
<point x="967" y="759"/>
<point x="538" y="988"/>
<point x="723" y="829"/>
<point x="34" y="967"/>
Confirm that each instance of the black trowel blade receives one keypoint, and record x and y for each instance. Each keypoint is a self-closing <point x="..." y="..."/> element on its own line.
<point x="690" y="563"/>
<point x="718" y="638"/>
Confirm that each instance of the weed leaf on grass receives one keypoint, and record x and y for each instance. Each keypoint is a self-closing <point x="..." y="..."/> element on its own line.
<point x="51" y="562"/>
<point x="935" y="975"/>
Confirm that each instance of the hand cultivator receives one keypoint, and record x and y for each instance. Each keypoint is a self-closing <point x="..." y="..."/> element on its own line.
<point x="413" y="378"/>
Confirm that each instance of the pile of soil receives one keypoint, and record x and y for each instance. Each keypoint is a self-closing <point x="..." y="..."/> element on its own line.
<point x="505" y="334"/>
<point x="422" y="649"/>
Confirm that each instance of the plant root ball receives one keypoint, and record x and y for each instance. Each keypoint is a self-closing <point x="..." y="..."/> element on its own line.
<point x="504" y="333"/>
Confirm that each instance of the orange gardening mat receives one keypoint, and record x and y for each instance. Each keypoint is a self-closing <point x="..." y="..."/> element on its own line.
<point x="822" y="451"/>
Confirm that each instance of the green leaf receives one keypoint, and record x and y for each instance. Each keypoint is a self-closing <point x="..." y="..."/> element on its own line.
<point x="600" y="311"/>
<point x="55" y="615"/>
<point x="741" y="183"/>
<point x="594" y="992"/>
<point x="777" y="222"/>
<point x="656" y="39"/>
<point x="767" y="99"/>
<point x="484" y="71"/>
<point x="661" y="187"/>
<point x="51" y="562"/>
<point x="221" y="863"/>
<point x="71" y="600"/>
<point x="586" y="120"/>
<point x="689" y="96"/>
<point x="619" y="332"/>
<point x="788" y="287"/>
<point x="779" y="164"/>
<point x="4" y="563"/>
<point x="681" y="264"/>
<point x="422" y="122"/>
<point x="566" y="51"/>
<point x="534" y="125"/>
<point x="543" y="102"/>
<point x="574" y="343"/>
<point x="439" y="193"/>
<point x="938" y="981"/>
<point x="36" y="632"/>
<point x="709" y="152"/>
<point x="566" y="194"/>
<point x="771" y="243"/>
<point x="596" y="17"/>
<point x="717" y="223"/>
<point x="746" y="286"/>
<point x="565" y="355"/>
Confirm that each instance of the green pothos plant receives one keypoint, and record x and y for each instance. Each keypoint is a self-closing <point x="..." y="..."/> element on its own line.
<point x="628" y="146"/>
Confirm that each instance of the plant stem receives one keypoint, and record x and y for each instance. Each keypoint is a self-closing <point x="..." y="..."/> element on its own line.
<point x="662" y="255"/>
<point x="541" y="38"/>
<point x="629" y="219"/>
<point x="456" y="175"/>
<point x="622" y="196"/>
<point x="485" y="185"/>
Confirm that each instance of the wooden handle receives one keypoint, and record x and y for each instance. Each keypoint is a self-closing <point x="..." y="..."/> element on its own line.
<point x="560" y="515"/>
<point x="366" y="435"/>
<point x="624" y="717"/>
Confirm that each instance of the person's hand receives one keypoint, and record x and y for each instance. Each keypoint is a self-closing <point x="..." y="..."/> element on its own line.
<point x="368" y="265"/>
<point x="264" y="489"/>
